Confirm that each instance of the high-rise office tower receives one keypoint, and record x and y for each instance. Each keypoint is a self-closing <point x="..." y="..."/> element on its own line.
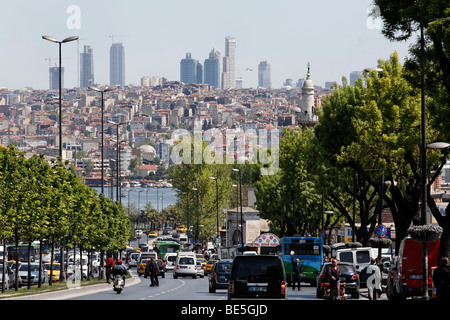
<point x="264" y="75"/>
<point x="117" y="65"/>
<point x="87" y="67"/>
<point x="354" y="76"/>
<point x="212" y="69"/>
<point x="191" y="71"/>
<point x="54" y="78"/>
<point x="229" y="64"/>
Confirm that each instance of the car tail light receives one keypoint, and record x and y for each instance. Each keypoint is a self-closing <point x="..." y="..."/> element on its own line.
<point x="322" y="276"/>
<point x="355" y="277"/>
<point x="283" y="287"/>
<point x="231" y="286"/>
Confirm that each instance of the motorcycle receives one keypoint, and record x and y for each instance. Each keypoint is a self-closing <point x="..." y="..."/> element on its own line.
<point x="329" y="295"/>
<point x="118" y="283"/>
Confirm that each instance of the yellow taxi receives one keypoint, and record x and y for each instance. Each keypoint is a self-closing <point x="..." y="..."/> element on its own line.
<point x="182" y="229"/>
<point x="141" y="267"/>
<point x="56" y="270"/>
<point x="202" y="261"/>
<point x="153" y="234"/>
<point x="209" y="266"/>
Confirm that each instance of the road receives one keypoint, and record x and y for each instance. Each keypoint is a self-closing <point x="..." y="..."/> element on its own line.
<point x="185" y="289"/>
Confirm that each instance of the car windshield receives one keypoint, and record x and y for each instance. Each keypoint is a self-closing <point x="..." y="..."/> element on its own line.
<point x="252" y="270"/>
<point x="24" y="267"/>
<point x="55" y="267"/>
<point x="362" y="257"/>
<point x="344" y="268"/>
<point x="186" y="260"/>
<point x="224" y="267"/>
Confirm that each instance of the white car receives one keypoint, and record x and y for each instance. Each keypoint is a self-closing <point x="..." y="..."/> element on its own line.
<point x="169" y="260"/>
<point x="200" y="270"/>
<point x="185" y="265"/>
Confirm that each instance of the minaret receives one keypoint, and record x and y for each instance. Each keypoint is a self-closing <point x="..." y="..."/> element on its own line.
<point x="307" y="116"/>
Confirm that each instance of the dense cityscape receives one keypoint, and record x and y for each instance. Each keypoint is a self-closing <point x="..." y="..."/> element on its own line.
<point x="341" y="189"/>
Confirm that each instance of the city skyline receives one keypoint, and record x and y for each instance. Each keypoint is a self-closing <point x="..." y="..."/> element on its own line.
<point x="336" y="38"/>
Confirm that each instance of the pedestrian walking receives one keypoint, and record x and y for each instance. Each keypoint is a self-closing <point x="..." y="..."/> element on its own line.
<point x="373" y="275"/>
<point x="297" y="272"/>
<point x="153" y="271"/>
<point x="441" y="279"/>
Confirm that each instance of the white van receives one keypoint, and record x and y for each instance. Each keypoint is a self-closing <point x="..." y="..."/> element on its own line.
<point x="359" y="257"/>
<point x="169" y="260"/>
<point x="185" y="265"/>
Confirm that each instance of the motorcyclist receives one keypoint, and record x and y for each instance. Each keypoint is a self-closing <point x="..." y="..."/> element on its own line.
<point x="333" y="274"/>
<point x="119" y="269"/>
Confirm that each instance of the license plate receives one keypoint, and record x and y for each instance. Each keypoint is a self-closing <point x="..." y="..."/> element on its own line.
<point x="257" y="289"/>
<point x="416" y="277"/>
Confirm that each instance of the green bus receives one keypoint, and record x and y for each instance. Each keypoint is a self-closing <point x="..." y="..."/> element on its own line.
<point x="163" y="247"/>
<point x="23" y="253"/>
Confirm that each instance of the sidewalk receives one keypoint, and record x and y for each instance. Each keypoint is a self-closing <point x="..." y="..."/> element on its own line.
<point x="76" y="292"/>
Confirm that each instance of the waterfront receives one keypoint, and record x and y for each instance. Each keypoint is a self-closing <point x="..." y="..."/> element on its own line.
<point x="139" y="196"/>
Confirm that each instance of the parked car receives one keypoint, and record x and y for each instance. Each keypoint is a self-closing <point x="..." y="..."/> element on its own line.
<point x="220" y="275"/>
<point x="200" y="270"/>
<point x="185" y="265"/>
<point x="348" y="275"/>
<point x="257" y="277"/>
<point x="34" y="279"/>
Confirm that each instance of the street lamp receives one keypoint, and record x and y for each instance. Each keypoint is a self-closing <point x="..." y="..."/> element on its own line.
<point x="240" y="196"/>
<point x="198" y="221"/>
<point x="102" y="91"/>
<point x="118" y="155"/>
<point x="51" y="39"/>
<point x="217" y="207"/>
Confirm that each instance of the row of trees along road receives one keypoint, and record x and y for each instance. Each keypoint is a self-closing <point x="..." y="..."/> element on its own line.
<point x="42" y="201"/>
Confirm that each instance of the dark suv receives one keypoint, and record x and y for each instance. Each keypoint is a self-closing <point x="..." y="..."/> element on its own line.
<point x="260" y="276"/>
<point x="220" y="275"/>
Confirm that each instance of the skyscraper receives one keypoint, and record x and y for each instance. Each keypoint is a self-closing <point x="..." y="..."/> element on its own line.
<point x="264" y="75"/>
<point x="229" y="64"/>
<point x="54" y="78"/>
<point x="191" y="71"/>
<point x="212" y="69"/>
<point x="87" y="67"/>
<point x="117" y="65"/>
<point x="354" y="76"/>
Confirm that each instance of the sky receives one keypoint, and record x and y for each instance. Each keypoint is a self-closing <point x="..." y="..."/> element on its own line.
<point x="335" y="37"/>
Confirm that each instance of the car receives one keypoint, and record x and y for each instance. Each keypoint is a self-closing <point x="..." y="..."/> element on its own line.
<point x="220" y="275"/>
<point x="138" y="233"/>
<point x="167" y="230"/>
<point x="185" y="265"/>
<point x="169" y="260"/>
<point x="161" y="267"/>
<point x="34" y="279"/>
<point x="200" y="270"/>
<point x="348" y="275"/>
<point x="153" y="234"/>
<point x="182" y="229"/>
<point x="257" y="277"/>
<point x="142" y="265"/>
<point x="56" y="270"/>
<point x="359" y="257"/>
<point x="209" y="266"/>
<point x="133" y="259"/>
<point x="202" y="261"/>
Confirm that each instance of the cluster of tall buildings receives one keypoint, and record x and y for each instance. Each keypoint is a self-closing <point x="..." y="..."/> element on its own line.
<point x="86" y="66"/>
<point x="193" y="72"/>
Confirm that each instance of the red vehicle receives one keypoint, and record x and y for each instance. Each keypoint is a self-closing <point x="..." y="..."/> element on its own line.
<point x="405" y="277"/>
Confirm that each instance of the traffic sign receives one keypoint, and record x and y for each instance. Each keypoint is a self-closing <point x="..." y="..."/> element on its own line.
<point x="322" y="234"/>
<point x="381" y="231"/>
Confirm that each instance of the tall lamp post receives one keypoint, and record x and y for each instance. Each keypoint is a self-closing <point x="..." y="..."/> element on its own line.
<point x="217" y="207"/>
<point x="102" y="91"/>
<point x="198" y="218"/>
<point x="118" y="124"/>
<point x="240" y="196"/>
<point x="69" y="39"/>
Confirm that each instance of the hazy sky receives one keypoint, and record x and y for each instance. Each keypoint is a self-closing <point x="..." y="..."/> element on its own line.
<point x="336" y="37"/>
